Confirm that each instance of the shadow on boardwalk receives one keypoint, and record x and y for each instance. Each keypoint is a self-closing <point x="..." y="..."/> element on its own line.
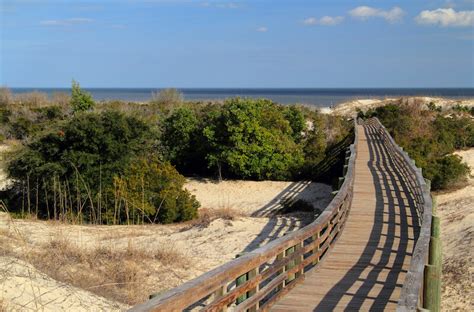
<point x="388" y="238"/>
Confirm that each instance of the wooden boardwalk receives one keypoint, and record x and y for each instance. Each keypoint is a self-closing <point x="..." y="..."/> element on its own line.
<point x="367" y="266"/>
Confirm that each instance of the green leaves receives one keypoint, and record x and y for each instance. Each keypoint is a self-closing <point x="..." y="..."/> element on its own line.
<point x="80" y="100"/>
<point x="253" y="140"/>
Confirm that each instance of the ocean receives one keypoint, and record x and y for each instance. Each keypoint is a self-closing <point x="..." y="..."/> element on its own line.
<point x="321" y="97"/>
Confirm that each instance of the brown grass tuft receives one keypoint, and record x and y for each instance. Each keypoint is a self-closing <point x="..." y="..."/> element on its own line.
<point x="115" y="273"/>
<point x="206" y="216"/>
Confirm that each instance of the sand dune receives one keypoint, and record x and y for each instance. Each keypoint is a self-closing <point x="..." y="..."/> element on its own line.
<point x="184" y="251"/>
<point x="456" y="210"/>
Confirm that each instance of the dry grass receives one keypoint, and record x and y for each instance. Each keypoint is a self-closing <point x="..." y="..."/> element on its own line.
<point x="3" y="306"/>
<point x="206" y="216"/>
<point x="117" y="274"/>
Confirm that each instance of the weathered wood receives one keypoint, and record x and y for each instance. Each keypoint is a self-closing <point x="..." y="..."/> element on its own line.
<point x="285" y="260"/>
<point x="212" y="281"/>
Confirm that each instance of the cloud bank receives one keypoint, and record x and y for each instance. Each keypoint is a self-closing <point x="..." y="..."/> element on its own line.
<point x="446" y="18"/>
<point x="363" y="13"/>
<point x="325" y="20"/>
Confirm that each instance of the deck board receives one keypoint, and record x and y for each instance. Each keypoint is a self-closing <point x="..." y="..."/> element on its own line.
<point x="366" y="268"/>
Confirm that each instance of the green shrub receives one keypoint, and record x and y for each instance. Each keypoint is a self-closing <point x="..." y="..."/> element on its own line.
<point x="429" y="137"/>
<point x="181" y="131"/>
<point x="155" y="190"/>
<point x="83" y="156"/>
<point x="80" y="100"/>
<point x="253" y="140"/>
<point x="49" y="113"/>
<point x="21" y="128"/>
<point x="448" y="172"/>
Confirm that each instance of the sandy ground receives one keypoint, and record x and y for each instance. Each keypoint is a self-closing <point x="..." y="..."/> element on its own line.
<point x="456" y="210"/>
<point x="350" y="108"/>
<point x="199" y="247"/>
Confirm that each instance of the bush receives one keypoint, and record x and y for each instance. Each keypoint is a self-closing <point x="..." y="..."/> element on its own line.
<point x="80" y="100"/>
<point x="448" y="172"/>
<point x="167" y="99"/>
<point x="155" y="189"/>
<point x="83" y="157"/>
<point x="428" y="137"/>
<point x="252" y="140"/>
<point x="180" y="134"/>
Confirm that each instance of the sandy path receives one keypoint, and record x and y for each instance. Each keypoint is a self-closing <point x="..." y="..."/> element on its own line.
<point x="456" y="210"/>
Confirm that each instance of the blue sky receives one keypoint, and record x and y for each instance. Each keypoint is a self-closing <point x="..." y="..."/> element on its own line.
<point x="259" y="43"/>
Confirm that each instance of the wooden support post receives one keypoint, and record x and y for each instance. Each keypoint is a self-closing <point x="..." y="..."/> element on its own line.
<point x="290" y="264"/>
<point x="281" y="271"/>
<point x="252" y="274"/>
<point x="344" y="170"/>
<point x="435" y="227"/>
<point x="300" y="259"/>
<point x="219" y="293"/>
<point x="316" y="250"/>
<point x="239" y="281"/>
<point x="432" y="288"/>
<point x="339" y="184"/>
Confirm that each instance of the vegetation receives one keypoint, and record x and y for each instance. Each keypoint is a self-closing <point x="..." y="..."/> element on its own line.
<point x="80" y="100"/>
<point x="92" y="168"/>
<point x="430" y="137"/>
<point x="117" y="162"/>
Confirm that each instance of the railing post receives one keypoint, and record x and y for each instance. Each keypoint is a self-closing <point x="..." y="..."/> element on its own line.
<point x="290" y="265"/>
<point x="316" y="250"/>
<point x="300" y="259"/>
<point x="239" y="281"/>
<point x="219" y="293"/>
<point x="280" y="256"/>
<point x="253" y="273"/>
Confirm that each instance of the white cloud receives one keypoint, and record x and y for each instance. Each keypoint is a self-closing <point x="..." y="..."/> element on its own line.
<point x="262" y="29"/>
<point x="220" y="5"/>
<point x="66" y="22"/>
<point x="393" y="15"/>
<point x="330" y="20"/>
<point x="446" y="18"/>
<point x="325" y="20"/>
<point x="310" y="21"/>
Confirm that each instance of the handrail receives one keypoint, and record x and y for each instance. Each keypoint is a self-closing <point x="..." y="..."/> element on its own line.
<point x="257" y="279"/>
<point x="411" y="297"/>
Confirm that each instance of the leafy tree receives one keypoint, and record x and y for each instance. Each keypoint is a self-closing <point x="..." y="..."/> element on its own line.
<point x="295" y="117"/>
<point x="179" y="137"/>
<point x="83" y="155"/>
<point x="252" y="139"/>
<point x="80" y="99"/>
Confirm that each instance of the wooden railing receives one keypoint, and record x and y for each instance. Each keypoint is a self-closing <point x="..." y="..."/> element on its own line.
<point x="258" y="278"/>
<point x="414" y="295"/>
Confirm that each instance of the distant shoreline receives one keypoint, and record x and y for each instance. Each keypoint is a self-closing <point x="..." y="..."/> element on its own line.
<point x="319" y="97"/>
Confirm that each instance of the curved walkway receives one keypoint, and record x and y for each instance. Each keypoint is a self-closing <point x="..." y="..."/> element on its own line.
<point x="367" y="266"/>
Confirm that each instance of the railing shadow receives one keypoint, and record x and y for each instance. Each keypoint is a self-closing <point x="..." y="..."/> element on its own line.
<point x="277" y="227"/>
<point x="390" y="181"/>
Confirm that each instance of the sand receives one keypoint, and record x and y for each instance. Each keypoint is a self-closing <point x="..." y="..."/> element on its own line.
<point x="350" y="108"/>
<point x="199" y="247"/>
<point x="24" y="288"/>
<point x="456" y="211"/>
